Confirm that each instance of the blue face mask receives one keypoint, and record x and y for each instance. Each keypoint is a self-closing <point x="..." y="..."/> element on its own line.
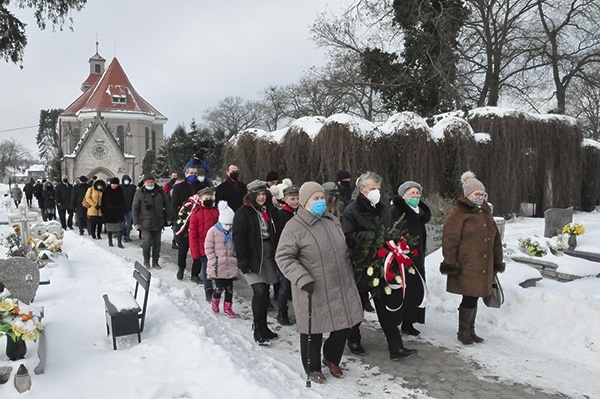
<point x="191" y="178"/>
<point x="318" y="207"/>
<point x="477" y="201"/>
<point x="414" y="202"/>
<point x="149" y="187"/>
<point x="201" y="178"/>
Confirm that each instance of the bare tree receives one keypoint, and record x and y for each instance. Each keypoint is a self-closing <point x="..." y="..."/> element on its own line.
<point x="234" y="114"/>
<point x="585" y="105"/>
<point x="11" y="154"/>
<point x="571" y="43"/>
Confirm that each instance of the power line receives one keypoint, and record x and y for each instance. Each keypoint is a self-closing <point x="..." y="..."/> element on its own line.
<point x="18" y="128"/>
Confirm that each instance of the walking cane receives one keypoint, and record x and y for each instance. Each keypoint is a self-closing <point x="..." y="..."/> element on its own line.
<point x="309" y="339"/>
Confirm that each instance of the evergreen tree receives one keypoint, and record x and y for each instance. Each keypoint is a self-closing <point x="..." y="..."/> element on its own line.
<point x="47" y="137"/>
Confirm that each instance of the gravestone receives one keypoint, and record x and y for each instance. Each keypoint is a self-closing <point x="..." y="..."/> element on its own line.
<point x="555" y="219"/>
<point x="21" y="276"/>
<point x="434" y="238"/>
<point x="23" y="218"/>
<point x="501" y="224"/>
<point x="52" y="226"/>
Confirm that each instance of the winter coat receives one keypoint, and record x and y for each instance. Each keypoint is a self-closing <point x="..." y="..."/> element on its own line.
<point x="28" y="190"/>
<point x="472" y="249"/>
<point x="222" y="262"/>
<point x="38" y="192"/>
<point x="77" y="197"/>
<point x="359" y="221"/>
<point x="285" y="215"/>
<point x="234" y="195"/>
<point x="247" y="237"/>
<point x="49" y="196"/>
<point x="128" y="192"/>
<point x="415" y="225"/>
<point x="16" y="193"/>
<point x="93" y="198"/>
<point x="180" y="195"/>
<point x="63" y="196"/>
<point x="201" y="219"/>
<point x="113" y="205"/>
<point x="151" y="208"/>
<point x="313" y="249"/>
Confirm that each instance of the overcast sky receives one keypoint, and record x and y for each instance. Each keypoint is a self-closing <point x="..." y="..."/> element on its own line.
<point x="182" y="56"/>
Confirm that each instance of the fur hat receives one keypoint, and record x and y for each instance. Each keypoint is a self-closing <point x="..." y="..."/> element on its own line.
<point x="82" y="179"/>
<point x="225" y="213"/>
<point x="308" y="189"/>
<point x="256" y="186"/>
<point x="470" y="183"/>
<point x="407" y="185"/>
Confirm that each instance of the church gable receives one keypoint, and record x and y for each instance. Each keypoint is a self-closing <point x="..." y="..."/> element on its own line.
<point x="98" y="145"/>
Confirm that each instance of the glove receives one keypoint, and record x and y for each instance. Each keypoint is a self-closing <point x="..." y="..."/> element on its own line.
<point x="98" y="207"/>
<point x="309" y="287"/>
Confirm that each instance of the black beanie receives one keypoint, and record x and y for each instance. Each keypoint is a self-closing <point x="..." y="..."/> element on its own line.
<point x="342" y="174"/>
<point x="272" y="176"/>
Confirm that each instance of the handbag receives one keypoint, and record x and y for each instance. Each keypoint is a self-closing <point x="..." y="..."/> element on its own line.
<point x="497" y="298"/>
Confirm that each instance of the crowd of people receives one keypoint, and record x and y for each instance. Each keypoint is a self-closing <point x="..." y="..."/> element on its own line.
<point x="303" y="242"/>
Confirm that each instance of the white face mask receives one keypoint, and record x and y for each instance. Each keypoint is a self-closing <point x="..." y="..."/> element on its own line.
<point x="374" y="196"/>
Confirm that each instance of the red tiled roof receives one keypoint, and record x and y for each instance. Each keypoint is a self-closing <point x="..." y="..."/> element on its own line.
<point x="113" y="83"/>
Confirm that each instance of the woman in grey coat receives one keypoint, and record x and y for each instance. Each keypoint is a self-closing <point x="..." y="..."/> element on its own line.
<point x="313" y="255"/>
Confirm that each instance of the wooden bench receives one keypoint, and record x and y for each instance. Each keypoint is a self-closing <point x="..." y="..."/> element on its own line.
<point x="124" y="316"/>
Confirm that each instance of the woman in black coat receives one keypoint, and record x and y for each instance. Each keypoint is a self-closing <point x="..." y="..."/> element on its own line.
<point x="416" y="214"/>
<point x="77" y="196"/>
<point x="113" y="210"/>
<point x="255" y="237"/>
<point x="49" y="196"/>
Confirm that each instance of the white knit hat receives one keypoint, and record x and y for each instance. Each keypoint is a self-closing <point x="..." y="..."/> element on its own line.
<point x="225" y="213"/>
<point x="470" y="183"/>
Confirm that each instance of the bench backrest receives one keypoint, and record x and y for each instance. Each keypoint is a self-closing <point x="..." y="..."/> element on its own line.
<point x="142" y="278"/>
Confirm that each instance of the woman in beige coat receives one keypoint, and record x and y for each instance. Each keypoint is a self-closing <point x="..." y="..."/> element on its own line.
<point x="313" y="255"/>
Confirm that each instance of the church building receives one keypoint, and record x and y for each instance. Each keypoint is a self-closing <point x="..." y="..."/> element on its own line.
<point x="108" y="130"/>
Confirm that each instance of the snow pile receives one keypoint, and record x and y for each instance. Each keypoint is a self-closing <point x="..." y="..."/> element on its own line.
<point x="404" y="121"/>
<point x="360" y="126"/>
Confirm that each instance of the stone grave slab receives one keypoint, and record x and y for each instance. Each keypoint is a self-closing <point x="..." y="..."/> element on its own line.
<point x="591" y="256"/>
<point x="21" y="276"/>
<point x="547" y="269"/>
<point x="555" y="219"/>
<point x="434" y="238"/>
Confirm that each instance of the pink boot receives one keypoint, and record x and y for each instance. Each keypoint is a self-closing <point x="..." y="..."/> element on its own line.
<point x="227" y="309"/>
<point x="215" y="304"/>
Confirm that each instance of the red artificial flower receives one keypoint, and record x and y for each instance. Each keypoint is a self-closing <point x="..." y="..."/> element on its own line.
<point x="382" y="252"/>
<point x="415" y="252"/>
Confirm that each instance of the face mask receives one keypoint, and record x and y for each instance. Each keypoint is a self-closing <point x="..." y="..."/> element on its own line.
<point x="65" y="180"/>
<point x="100" y="188"/>
<point x="207" y="203"/>
<point x="477" y="201"/>
<point x="201" y="178"/>
<point x="126" y="182"/>
<point x="318" y="207"/>
<point x="414" y="202"/>
<point x="374" y="196"/>
<point x="192" y="178"/>
<point x="149" y="187"/>
<point x="234" y="175"/>
<point x="226" y="226"/>
<point x="345" y="184"/>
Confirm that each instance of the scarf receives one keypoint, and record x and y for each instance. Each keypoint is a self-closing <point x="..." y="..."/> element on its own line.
<point x="228" y="236"/>
<point x="263" y="212"/>
<point x="287" y="208"/>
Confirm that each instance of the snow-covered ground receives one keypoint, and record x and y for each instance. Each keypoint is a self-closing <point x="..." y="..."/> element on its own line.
<point x="546" y="336"/>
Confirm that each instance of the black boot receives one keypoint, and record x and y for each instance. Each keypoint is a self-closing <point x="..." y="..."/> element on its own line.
<point x="110" y="243"/>
<point x="180" y="273"/>
<point x="208" y="295"/>
<point x="475" y="337"/>
<point x="259" y="337"/>
<point x="196" y="268"/>
<point x="399" y="353"/>
<point x="283" y="318"/>
<point x="464" y="325"/>
<point x="120" y="239"/>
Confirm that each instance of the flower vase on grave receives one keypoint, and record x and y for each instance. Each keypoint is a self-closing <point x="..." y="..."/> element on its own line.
<point x="572" y="242"/>
<point x="15" y="350"/>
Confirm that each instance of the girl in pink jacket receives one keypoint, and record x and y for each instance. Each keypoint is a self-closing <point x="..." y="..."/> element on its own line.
<point x="222" y="262"/>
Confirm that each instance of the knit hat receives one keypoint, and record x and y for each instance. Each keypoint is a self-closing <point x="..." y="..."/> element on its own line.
<point x="272" y="176"/>
<point x="225" y="213"/>
<point x="114" y="180"/>
<point x="206" y="190"/>
<point x="470" y="183"/>
<point x="331" y="188"/>
<point x="149" y="177"/>
<point x="256" y="186"/>
<point x="407" y="185"/>
<point x="83" y="179"/>
<point x="342" y="174"/>
<point x="308" y="189"/>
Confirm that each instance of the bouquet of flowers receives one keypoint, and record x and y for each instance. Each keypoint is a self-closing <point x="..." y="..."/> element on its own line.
<point x="384" y="259"/>
<point x="532" y="247"/>
<point x="18" y="321"/>
<point x="573" y="229"/>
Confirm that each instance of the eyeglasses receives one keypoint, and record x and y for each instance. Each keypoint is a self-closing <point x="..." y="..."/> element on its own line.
<point x="480" y="195"/>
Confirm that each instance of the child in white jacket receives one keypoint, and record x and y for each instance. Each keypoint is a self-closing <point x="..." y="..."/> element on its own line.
<point x="222" y="262"/>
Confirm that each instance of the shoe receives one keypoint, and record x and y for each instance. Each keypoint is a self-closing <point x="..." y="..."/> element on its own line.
<point x="283" y="318"/>
<point x="215" y="304"/>
<point x="227" y="310"/>
<point x="180" y="273"/>
<point x="81" y="233"/>
<point x="356" y="348"/>
<point x="156" y="265"/>
<point x="409" y="329"/>
<point x="270" y="334"/>
<point x="259" y="338"/>
<point x="126" y="239"/>
<point x="334" y="369"/>
<point x="174" y="245"/>
<point x="368" y="307"/>
<point x="317" y="377"/>
<point x="196" y="279"/>
<point x="147" y="264"/>
<point x="99" y="237"/>
<point x="110" y="244"/>
<point x="208" y="295"/>
<point x="401" y="353"/>
<point x="120" y="245"/>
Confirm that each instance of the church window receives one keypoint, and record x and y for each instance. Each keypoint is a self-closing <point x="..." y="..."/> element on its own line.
<point x="147" y="137"/>
<point x="121" y="137"/>
<point x="97" y="68"/>
<point x="119" y="99"/>
<point x="154" y="141"/>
